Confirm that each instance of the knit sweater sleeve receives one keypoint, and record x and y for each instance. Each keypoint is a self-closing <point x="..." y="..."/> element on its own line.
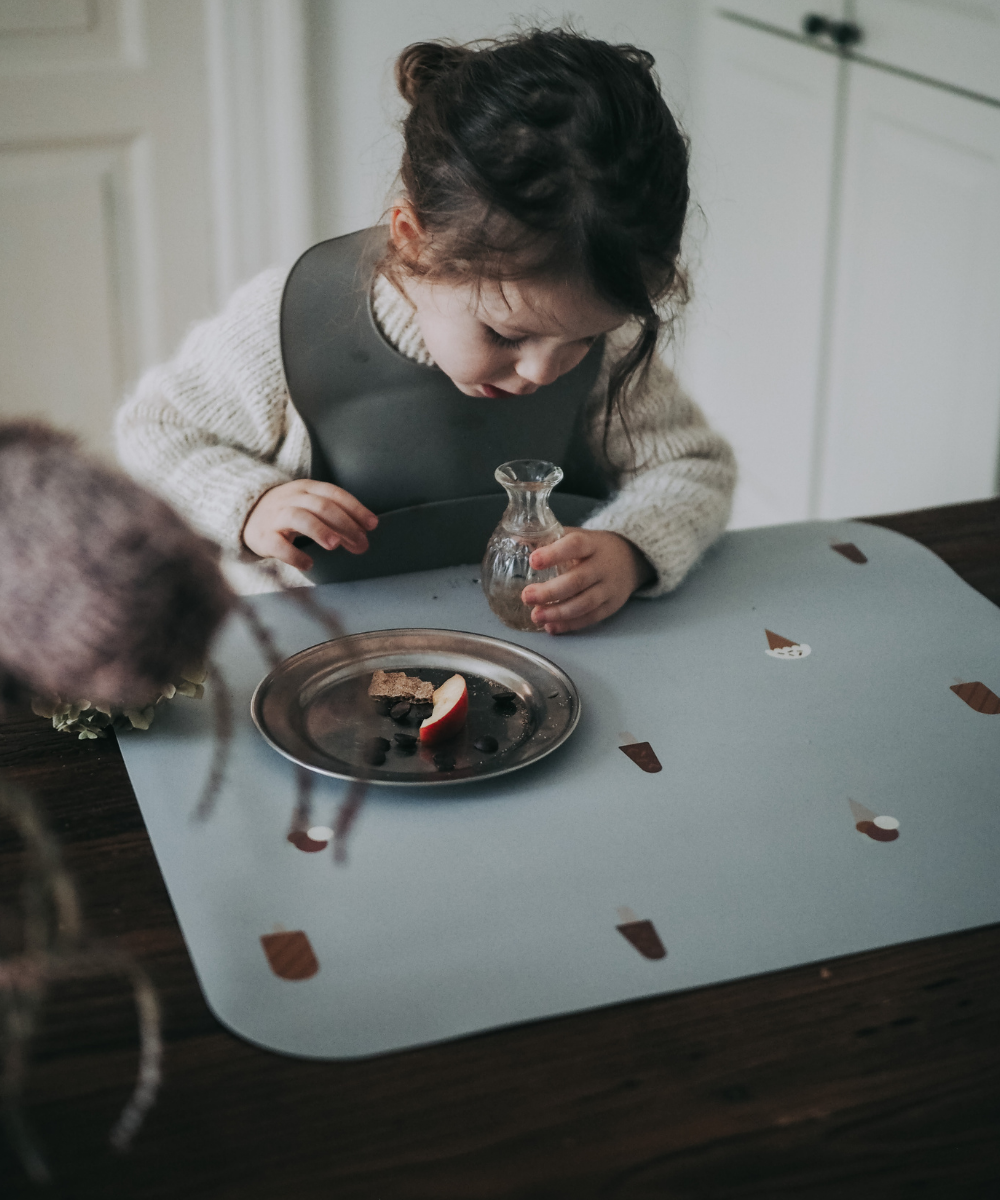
<point x="213" y="429"/>
<point x="675" y="501"/>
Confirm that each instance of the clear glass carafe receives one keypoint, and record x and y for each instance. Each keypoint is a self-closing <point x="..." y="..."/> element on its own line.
<point x="527" y="524"/>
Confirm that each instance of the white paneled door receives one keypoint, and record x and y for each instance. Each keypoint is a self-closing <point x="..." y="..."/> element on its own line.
<point x="153" y="155"/>
<point x="105" y="203"/>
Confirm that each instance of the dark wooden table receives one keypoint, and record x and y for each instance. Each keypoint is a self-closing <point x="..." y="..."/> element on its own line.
<point x="876" y="1075"/>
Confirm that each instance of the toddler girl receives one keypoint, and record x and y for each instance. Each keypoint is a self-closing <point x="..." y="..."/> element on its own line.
<point x="510" y="309"/>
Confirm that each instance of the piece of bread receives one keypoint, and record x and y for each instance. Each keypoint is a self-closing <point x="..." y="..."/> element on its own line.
<point x="397" y="685"/>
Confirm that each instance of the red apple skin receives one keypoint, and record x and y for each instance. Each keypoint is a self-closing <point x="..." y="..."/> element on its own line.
<point x="447" y="722"/>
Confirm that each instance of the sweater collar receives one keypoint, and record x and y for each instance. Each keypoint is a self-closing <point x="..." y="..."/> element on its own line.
<point x="396" y="319"/>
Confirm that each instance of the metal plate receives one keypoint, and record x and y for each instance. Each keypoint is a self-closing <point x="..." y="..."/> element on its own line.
<point x="315" y="709"/>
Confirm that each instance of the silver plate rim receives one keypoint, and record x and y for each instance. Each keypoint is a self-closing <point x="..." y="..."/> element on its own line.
<point x="546" y="664"/>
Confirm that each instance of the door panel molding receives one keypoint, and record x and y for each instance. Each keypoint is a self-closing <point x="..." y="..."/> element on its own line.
<point x="79" y="296"/>
<point x="71" y="35"/>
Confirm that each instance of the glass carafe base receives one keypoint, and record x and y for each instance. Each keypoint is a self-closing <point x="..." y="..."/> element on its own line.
<point x="511" y="609"/>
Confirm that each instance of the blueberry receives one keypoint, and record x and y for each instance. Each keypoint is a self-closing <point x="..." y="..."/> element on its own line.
<point x="487" y="744"/>
<point x="375" y="757"/>
<point x="400" y="710"/>
<point x="405" y="741"/>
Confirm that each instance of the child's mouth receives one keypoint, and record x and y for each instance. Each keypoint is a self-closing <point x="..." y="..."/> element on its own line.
<point x="495" y="393"/>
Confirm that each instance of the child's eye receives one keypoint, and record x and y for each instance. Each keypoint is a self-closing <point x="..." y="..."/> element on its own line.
<point x="499" y="339"/>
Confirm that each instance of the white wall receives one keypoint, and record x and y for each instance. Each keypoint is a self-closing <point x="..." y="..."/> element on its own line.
<point x="356" y="109"/>
<point x="260" y="136"/>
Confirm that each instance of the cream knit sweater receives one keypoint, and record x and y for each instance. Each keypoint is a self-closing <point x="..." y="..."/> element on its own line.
<point x="213" y="429"/>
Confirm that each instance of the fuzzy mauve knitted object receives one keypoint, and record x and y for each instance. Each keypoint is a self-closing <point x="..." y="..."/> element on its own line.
<point x="105" y="593"/>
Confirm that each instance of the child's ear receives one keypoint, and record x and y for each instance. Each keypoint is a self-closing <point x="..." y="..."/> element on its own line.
<point x="406" y="231"/>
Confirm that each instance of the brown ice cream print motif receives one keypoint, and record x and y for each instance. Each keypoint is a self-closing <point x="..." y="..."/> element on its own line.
<point x="305" y="834"/>
<point x="289" y="954"/>
<point x="641" y="753"/>
<point x="978" y="697"/>
<point x="879" y="829"/>
<point x="317" y="837"/>
<point x="641" y="934"/>
<point x="850" y="552"/>
<point x="782" y="647"/>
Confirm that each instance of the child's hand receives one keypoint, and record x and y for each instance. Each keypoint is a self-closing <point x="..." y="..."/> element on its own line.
<point x="321" y="511"/>
<point x="602" y="571"/>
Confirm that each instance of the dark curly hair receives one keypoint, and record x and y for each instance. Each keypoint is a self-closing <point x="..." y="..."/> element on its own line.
<point x="548" y="153"/>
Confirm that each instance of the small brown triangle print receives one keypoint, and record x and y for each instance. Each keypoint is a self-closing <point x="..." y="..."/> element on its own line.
<point x="290" y="954"/>
<point x="850" y="552"/>
<point x="643" y="755"/>
<point x="641" y="934"/>
<point x="784" y="648"/>
<point x="978" y="697"/>
<point x="776" y="642"/>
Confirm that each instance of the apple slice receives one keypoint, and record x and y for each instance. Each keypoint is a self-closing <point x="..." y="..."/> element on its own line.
<point x="451" y="707"/>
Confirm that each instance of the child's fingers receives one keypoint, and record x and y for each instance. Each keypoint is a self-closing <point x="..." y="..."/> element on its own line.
<point x="575" y="544"/>
<point x="579" y="605"/>
<point x="591" y="618"/>
<point x="325" y="522"/>
<point x="349" y="504"/>
<point x="301" y="521"/>
<point x="274" y="545"/>
<point x="562" y="587"/>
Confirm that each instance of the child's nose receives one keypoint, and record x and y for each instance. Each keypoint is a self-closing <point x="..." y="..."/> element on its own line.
<point x="542" y="366"/>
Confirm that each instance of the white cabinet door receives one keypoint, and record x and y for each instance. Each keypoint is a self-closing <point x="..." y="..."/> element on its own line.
<point x="763" y="172"/>
<point x="913" y="415"/>
<point x="786" y="15"/>
<point x="957" y="43"/>
<point x="105" y="206"/>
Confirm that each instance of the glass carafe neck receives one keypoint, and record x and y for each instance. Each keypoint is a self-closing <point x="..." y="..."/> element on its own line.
<point x="529" y="483"/>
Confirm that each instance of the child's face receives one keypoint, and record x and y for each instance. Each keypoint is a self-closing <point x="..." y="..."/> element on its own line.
<point x="492" y="343"/>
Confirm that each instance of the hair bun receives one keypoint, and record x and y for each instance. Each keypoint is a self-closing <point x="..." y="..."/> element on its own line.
<point x="423" y="62"/>
<point x="642" y="58"/>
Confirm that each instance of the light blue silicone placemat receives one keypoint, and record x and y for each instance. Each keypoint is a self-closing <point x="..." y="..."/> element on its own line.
<point x="465" y="908"/>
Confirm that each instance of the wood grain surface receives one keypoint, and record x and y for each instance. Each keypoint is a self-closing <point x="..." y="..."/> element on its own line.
<point x="872" y="1076"/>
